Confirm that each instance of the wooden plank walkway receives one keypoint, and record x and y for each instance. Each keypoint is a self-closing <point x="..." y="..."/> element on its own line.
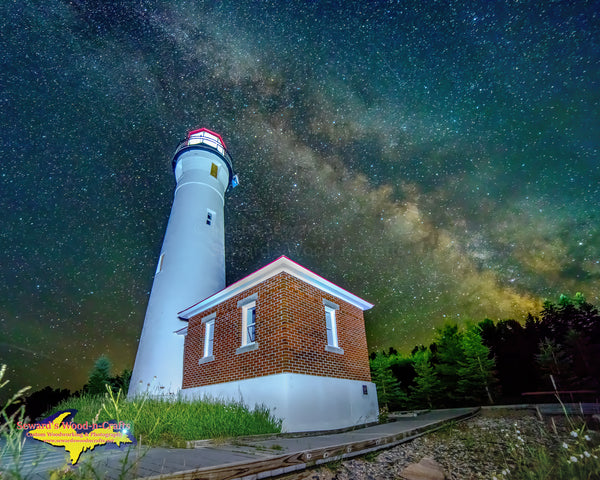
<point x="282" y="455"/>
<point x="247" y="459"/>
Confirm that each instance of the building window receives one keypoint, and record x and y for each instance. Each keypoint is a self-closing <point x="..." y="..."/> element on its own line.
<point x="248" y="306"/>
<point x="249" y="323"/>
<point x="331" y="327"/>
<point x="209" y="338"/>
<point x="214" y="170"/>
<point x="210" y="217"/>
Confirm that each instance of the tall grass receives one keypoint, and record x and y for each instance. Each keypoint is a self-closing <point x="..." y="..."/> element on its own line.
<point x="12" y="438"/>
<point x="572" y="455"/>
<point x="173" y="422"/>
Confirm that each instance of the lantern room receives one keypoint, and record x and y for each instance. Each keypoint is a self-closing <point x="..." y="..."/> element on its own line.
<point x="205" y="139"/>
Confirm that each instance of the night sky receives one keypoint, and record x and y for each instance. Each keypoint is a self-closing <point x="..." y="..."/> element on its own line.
<point x="438" y="159"/>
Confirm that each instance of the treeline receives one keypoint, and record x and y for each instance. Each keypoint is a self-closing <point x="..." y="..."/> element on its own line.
<point x="491" y="362"/>
<point x="41" y="401"/>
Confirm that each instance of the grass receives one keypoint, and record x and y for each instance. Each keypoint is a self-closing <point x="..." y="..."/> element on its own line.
<point x="518" y="446"/>
<point x="152" y="421"/>
<point x="11" y="413"/>
<point x="173" y="422"/>
<point x="572" y="452"/>
<point x="371" y="456"/>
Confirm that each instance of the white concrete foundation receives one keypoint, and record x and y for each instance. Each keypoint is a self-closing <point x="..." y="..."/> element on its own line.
<point x="305" y="403"/>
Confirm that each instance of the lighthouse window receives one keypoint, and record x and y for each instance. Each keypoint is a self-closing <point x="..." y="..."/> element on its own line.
<point x="214" y="170"/>
<point x="210" y="215"/>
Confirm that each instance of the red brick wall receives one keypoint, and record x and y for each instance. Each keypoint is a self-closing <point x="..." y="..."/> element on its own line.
<point x="290" y="332"/>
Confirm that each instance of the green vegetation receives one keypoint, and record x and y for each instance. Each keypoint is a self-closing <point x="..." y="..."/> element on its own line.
<point x="427" y="386"/>
<point x="153" y="422"/>
<point x="101" y="375"/>
<point x="172" y="422"/>
<point x="455" y="370"/>
<point x="41" y="401"/>
<point x="516" y="445"/>
<point x="388" y="387"/>
<point x="11" y="448"/>
<point x="483" y="363"/>
<point x="476" y="372"/>
<point x="573" y="456"/>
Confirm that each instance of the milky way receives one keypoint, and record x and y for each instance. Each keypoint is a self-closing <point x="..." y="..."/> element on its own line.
<point x="439" y="160"/>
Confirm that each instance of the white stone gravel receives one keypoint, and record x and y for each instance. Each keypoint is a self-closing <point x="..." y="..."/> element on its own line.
<point x="473" y="449"/>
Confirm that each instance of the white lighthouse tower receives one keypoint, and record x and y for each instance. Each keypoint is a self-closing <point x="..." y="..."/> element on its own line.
<point x="191" y="265"/>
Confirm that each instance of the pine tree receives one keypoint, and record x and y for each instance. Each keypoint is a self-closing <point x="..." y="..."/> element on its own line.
<point x="555" y="364"/>
<point x="121" y="381"/>
<point x="447" y="358"/>
<point x="388" y="388"/>
<point x="476" y="370"/>
<point x="99" y="376"/>
<point x="426" y="390"/>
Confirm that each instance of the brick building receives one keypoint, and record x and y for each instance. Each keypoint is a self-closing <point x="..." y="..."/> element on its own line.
<point x="286" y="338"/>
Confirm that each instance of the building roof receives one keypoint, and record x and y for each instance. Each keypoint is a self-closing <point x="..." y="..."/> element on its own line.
<point x="282" y="264"/>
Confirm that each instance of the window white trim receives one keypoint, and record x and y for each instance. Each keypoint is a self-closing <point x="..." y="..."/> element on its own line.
<point x="248" y="306"/>
<point x="249" y="299"/>
<point x="209" y="338"/>
<point x="210" y="216"/>
<point x="333" y="306"/>
<point x="206" y="359"/>
<point x="331" y="327"/>
<point x="249" y="323"/>
<point x="247" y="348"/>
<point x="329" y="348"/>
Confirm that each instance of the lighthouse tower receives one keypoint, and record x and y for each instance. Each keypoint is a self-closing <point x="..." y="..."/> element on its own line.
<point x="191" y="265"/>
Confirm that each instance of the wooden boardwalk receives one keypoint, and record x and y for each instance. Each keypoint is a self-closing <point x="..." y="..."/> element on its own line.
<point x="283" y="454"/>
<point x="249" y="459"/>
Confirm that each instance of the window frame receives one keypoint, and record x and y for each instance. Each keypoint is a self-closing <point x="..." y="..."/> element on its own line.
<point x="210" y="217"/>
<point x="249" y="313"/>
<point x="331" y="318"/>
<point x="209" y="338"/>
<point x="209" y="331"/>
<point x="331" y="327"/>
<point x="248" y="305"/>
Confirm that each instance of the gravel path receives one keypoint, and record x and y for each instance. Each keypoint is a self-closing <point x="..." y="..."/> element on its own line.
<point x="473" y="449"/>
